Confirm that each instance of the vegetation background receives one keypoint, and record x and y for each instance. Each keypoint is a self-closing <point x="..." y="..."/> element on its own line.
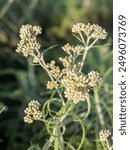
<point x="20" y="82"/>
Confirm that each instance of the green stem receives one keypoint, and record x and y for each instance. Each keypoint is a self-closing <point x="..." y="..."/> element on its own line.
<point x="54" y="132"/>
<point x="88" y="110"/>
<point x="83" y="41"/>
<point x="98" y="107"/>
<point x="51" y="139"/>
<point x="83" y="133"/>
<point x="69" y="145"/>
<point x="42" y="63"/>
<point x="103" y="145"/>
<point x="92" y="43"/>
<point x="84" y="57"/>
<point x="86" y="50"/>
<point x="2" y="109"/>
<point x="101" y="45"/>
<point x="56" y="140"/>
<point x="108" y="145"/>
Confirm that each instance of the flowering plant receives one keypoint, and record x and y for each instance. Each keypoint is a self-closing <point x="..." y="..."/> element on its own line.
<point x="68" y="81"/>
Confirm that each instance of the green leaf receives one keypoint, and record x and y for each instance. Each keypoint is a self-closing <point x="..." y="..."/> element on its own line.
<point x="63" y="110"/>
<point x="47" y="104"/>
<point x="48" y="49"/>
<point x="83" y="132"/>
<point x="48" y="126"/>
<point x="46" y="146"/>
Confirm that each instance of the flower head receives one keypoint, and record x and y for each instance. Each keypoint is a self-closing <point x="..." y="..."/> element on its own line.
<point x="79" y="27"/>
<point x="104" y="134"/>
<point x="54" y="70"/>
<point x="28" y="31"/>
<point x="66" y="61"/>
<point x="52" y="85"/>
<point x="94" y="31"/>
<point x="32" y="112"/>
<point x="76" y="95"/>
<point x="72" y="50"/>
<point x="75" y="84"/>
<point x="28" y="44"/>
<point x="94" y="79"/>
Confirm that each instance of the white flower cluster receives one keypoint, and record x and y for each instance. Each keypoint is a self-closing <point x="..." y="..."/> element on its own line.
<point x="75" y="84"/>
<point x="104" y="134"/>
<point x="80" y="27"/>
<point x="54" y="70"/>
<point x="94" y="30"/>
<point x="28" y="44"/>
<point x="29" y="31"/>
<point x="72" y="50"/>
<point x="52" y="85"/>
<point x="94" y="79"/>
<point x="32" y="112"/>
<point x="66" y="61"/>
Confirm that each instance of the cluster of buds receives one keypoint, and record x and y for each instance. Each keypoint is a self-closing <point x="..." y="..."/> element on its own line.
<point x="52" y="85"/>
<point x="29" y="31"/>
<point x="54" y="70"/>
<point x="94" y="30"/>
<point x="28" y="44"/>
<point x="104" y="135"/>
<point x="80" y="27"/>
<point x="75" y="84"/>
<point x="73" y="50"/>
<point x="32" y="112"/>
<point x="76" y="95"/>
<point x="66" y="61"/>
<point x="94" y="79"/>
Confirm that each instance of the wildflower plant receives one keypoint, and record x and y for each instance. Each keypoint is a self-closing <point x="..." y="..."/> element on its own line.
<point x="68" y="83"/>
<point x="104" y="139"/>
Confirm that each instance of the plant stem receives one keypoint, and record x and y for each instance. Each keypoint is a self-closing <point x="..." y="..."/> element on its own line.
<point x="98" y="107"/>
<point x="51" y="139"/>
<point x="88" y="110"/>
<point x="84" y="56"/>
<point x="54" y="132"/>
<point x="83" y="135"/>
<point x="2" y="109"/>
<point x="61" y="97"/>
<point x="56" y="139"/>
<point x="82" y="38"/>
<point x="86" y="50"/>
<point x="92" y="43"/>
<point x="108" y="145"/>
<point x="42" y="63"/>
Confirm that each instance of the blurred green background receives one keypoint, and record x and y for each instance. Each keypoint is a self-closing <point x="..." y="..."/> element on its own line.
<point x="20" y="82"/>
